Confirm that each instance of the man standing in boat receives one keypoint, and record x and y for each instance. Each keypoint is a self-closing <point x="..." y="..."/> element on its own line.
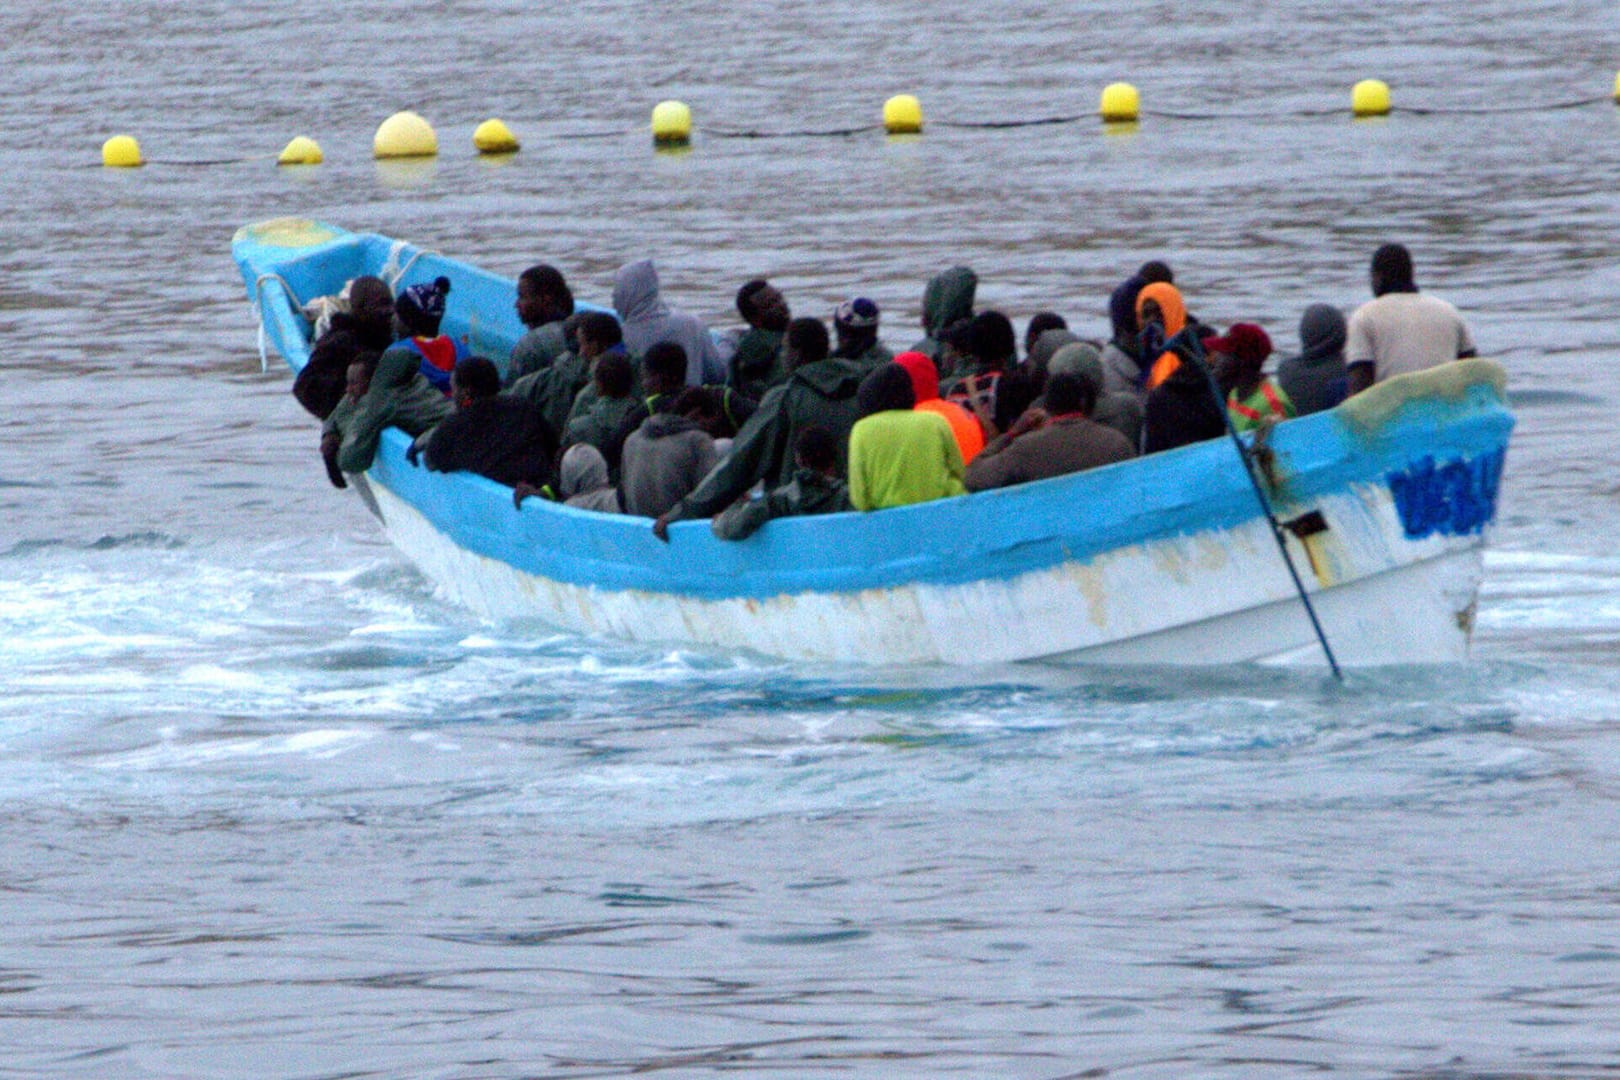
<point x="1401" y="331"/>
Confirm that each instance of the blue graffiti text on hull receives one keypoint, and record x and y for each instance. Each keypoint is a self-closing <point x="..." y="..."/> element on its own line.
<point x="1453" y="498"/>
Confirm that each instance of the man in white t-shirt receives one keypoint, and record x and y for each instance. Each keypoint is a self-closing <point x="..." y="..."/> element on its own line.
<point x="1401" y="330"/>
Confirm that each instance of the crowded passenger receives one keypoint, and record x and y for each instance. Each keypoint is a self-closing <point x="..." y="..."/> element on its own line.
<point x="947" y="300"/>
<point x="398" y="393"/>
<point x="1400" y="330"/>
<point x="367" y="327"/>
<point x="667" y="456"/>
<point x="816" y="488"/>
<point x="504" y="438"/>
<point x="1252" y="399"/>
<point x="898" y="455"/>
<point x="1117" y="410"/>
<point x="582" y="483"/>
<point x="418" y="312"/>
<point x="1042" y="443"/>
<point x="965" y="427"/>
<point x="855" y="322"/>
<point x="543" y="304"/>
<point x="598" y="415"/>
<point x="654" y="438"/>
<point x="555" y="389"/>
<point x="819" y="391"/>
<point x="756" y="361"/>
<point x="647" y="320"/>
<point x="1315" y="379"/>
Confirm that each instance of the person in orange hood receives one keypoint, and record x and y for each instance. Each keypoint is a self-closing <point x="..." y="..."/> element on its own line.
<point x="965" y="426"/>
<point x="1162" y="314"/>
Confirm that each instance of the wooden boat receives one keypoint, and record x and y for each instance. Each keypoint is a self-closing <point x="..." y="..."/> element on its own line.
<point x="1385" y="503"/>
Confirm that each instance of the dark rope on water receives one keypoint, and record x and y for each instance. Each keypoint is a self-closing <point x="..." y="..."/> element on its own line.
<point x="806" y="133"/>
<point x="1418" y="110"/>
<point x="1044" y="121"/>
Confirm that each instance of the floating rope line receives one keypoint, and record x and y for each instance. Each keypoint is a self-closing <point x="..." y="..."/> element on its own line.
<point x="1419" y="110"/>
<point x="1044" y="121"/>
<point x="129" y="156"/>
<point x="822" y="133"/>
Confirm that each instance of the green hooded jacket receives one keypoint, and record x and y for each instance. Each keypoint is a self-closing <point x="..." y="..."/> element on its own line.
<point x="553" y="389"/>
<point x="756" y="365"/>
<point x="820" y="394"/>
<point x="399" y="396"/>
<point x="536" y="350"/>
<point x="947" y="298"/>
<point x="809" y="492"/>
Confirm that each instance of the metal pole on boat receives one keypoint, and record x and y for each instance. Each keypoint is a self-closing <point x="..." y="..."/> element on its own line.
<point x="1271" y="516"/>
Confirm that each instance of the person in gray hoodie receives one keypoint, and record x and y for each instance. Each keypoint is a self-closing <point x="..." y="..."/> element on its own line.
<point x="582" y="483"/>
<point x="647" y="320"/>
<point x="1316" y="379"/>
<point x="664" y="459"/>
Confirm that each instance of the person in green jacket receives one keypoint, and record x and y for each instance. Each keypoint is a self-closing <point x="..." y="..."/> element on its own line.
<point x="555" y="388"/>
<point x="614" y="381"/>
<point x="399" y="394"/>
<point x="816" y="488"/>
<point x="898" y="456"/>
<point x="756" y="363"/>
<point x="544" y="303"/>
<point x="855" y="322"/>
<point x="947" y="299"/>
<point x="819" y="391"/>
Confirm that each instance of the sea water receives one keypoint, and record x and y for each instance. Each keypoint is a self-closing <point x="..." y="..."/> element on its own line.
<point x="269" y="806"/>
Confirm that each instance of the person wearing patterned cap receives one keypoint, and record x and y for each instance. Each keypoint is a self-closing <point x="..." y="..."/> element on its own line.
<point x="418" y="311"/>
<point x="855" y="322"/>
<point x="402" y="394"/>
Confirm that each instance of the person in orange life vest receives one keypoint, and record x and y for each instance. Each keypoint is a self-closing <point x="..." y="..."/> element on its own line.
<point x="1253" y="398"/>
<point x="417" y="314"/>
<point x="965" y="427"/>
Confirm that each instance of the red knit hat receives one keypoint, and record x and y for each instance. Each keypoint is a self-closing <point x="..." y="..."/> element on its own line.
<point x="1244" y="342"/>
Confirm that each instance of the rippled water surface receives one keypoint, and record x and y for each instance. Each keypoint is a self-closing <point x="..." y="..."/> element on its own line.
<point x="270" y="807"/>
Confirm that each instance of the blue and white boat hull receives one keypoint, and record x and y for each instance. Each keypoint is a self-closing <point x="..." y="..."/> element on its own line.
<point x="1164" y="559"/>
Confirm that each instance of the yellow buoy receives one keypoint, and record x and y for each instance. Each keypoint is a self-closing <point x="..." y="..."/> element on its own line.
<point x="494" y="137"/>
<point x="405" y="135"/>
<point x="1617" y="89"/>
<point x="671" y="122"/>
<point x="902" y="115"/>
<point x="1369" y="97"/>
<point x="301" y="151"/>
<point x="1121" y="104"/>
<point x="121" y="152"/>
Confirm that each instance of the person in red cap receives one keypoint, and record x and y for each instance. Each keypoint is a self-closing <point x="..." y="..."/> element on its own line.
<point x="1237" y="358"/>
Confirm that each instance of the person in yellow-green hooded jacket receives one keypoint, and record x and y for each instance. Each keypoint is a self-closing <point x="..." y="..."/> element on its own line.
<point x="897" y="455"/>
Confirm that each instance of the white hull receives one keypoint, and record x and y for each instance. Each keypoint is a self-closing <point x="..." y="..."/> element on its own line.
<point x="1209" y="598"/>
